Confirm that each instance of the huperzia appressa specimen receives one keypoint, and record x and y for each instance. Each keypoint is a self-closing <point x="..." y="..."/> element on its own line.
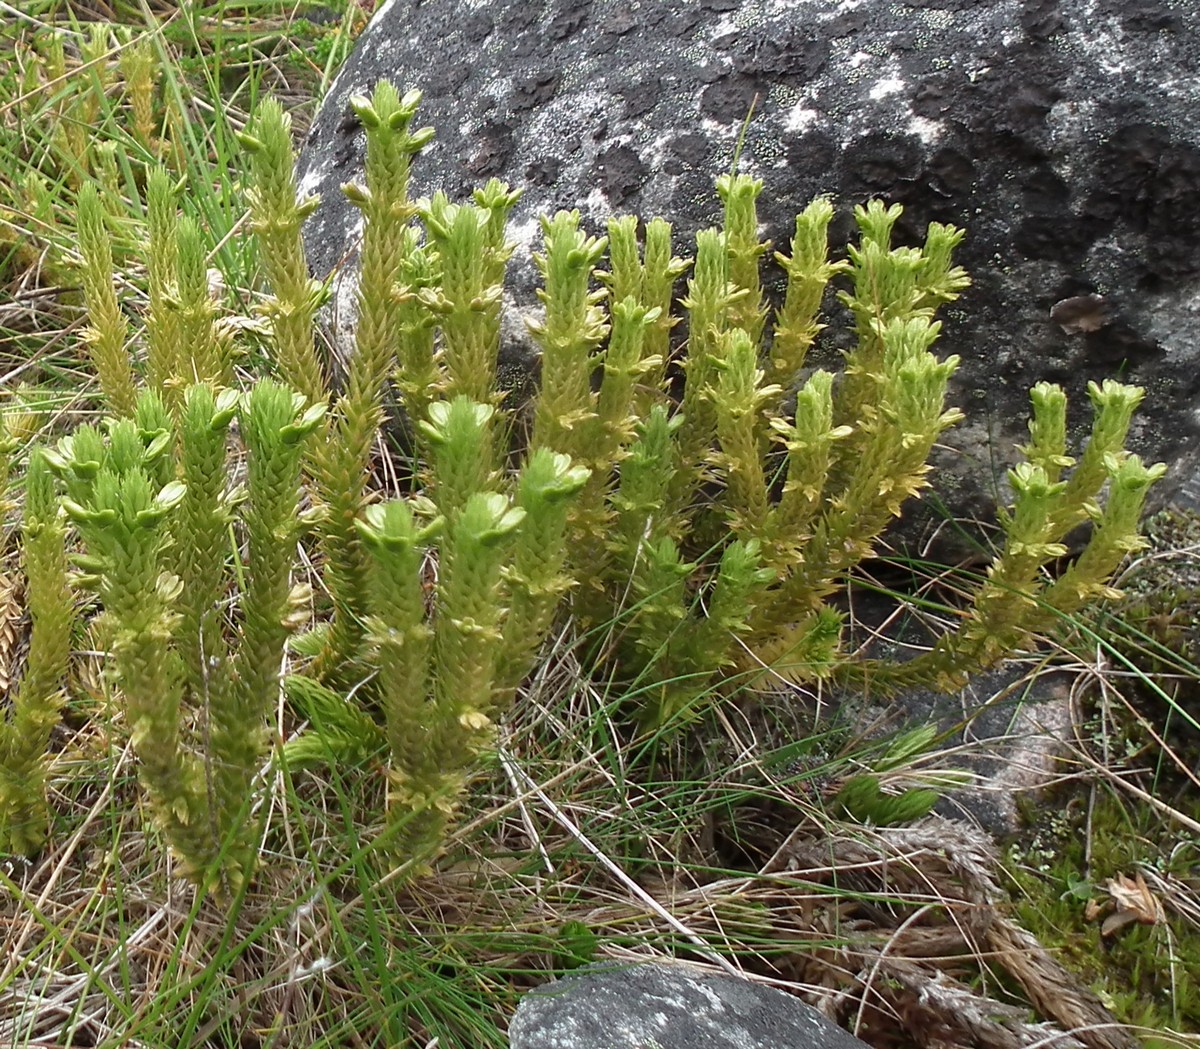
<point x="696" y="504"/>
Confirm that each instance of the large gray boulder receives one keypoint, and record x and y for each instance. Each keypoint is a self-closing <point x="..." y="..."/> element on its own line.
<point x="652" y="1006"/>
<point x="1063" y="134"/>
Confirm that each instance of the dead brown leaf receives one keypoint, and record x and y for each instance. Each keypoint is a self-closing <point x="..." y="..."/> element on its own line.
<point x="1134" y="902"/>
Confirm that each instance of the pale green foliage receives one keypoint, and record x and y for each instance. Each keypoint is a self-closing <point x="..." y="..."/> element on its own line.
<point x="194" y="575"/>
<point x="535" y="578"/>
<point x="748" y="312"/>
<point x="340" y="461"/>
<point x="808" y="271"/>
<point x="709" y="296"/>
<point x="725" y="527"/>
<point x="572" y="331"/>
<point x="442" y="672"/>
<point x="731" y="524"/>
<point x="439" y="673"/>
<point x="204" y="516"/>
<point x="9" y="445"/>
<point x="699" y="539"/>
<point x="201" y="348"/>
<point x="277" y="213"/>
<point x="107" y="331"/>
<point x="459" y="436"/>
<point x="1017" y="595"/>
<point x="182" y="342"/>
<point x="38" y="696"/>
<point x="397" y="628"/>
<point x="120" y="513"/>
<point x="165" y="349"/>
<point x="648" y="281"/>
<point x="469" y="251"/>
<point x="447" y="672"/>
<point x="156" y="554"/>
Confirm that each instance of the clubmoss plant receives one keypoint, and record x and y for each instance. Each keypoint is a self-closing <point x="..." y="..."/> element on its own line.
<point x="535" y="577"/>
<point x="274" y="425"/>
<point x="277" y="213"/>
<point x="648" y="277"/>
<point x="572" y="332"/>
<point x="138" y="64"/>
<point x="716" y="531"/>
<point x="437" y="733"/>
<point x="1017" y="594"/>
<point x="165" y="347"/>
<point x="469" y="252"/>
<point x="341" y="459"/>
<point x="447" y="673"/>
<point x="205" y="516"/>
<point x="698" y="538"/>
<point x="119" y="512"/>
<point x="809" y="271"/>
<point x="39" y="694"/>
<point x="146" y="542"/>
<point x="183" y="343"/>
<point x="848" y="457"/>
<point x="108" y="331"/>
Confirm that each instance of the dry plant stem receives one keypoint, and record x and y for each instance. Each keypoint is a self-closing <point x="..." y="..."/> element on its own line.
<point x="644" y="897"/>
<point x="1124" y="784"/>
<point x="956" y="864"/>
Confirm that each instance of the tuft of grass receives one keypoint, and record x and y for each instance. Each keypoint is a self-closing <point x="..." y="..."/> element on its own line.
<point x="74" y="106"/>
<point x="1110" y="875"/>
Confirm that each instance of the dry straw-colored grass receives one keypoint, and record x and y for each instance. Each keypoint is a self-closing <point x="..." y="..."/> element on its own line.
<point x="901" y="934"/>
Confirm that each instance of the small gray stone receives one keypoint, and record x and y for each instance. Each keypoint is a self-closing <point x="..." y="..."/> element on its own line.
<point x="653" y="1006"/>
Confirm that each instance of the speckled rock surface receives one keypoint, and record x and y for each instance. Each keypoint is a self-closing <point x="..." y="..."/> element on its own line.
<point x="667" y="1007"/>
<point x="1064" y="134"/>
<point x="1009" y="731"/>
